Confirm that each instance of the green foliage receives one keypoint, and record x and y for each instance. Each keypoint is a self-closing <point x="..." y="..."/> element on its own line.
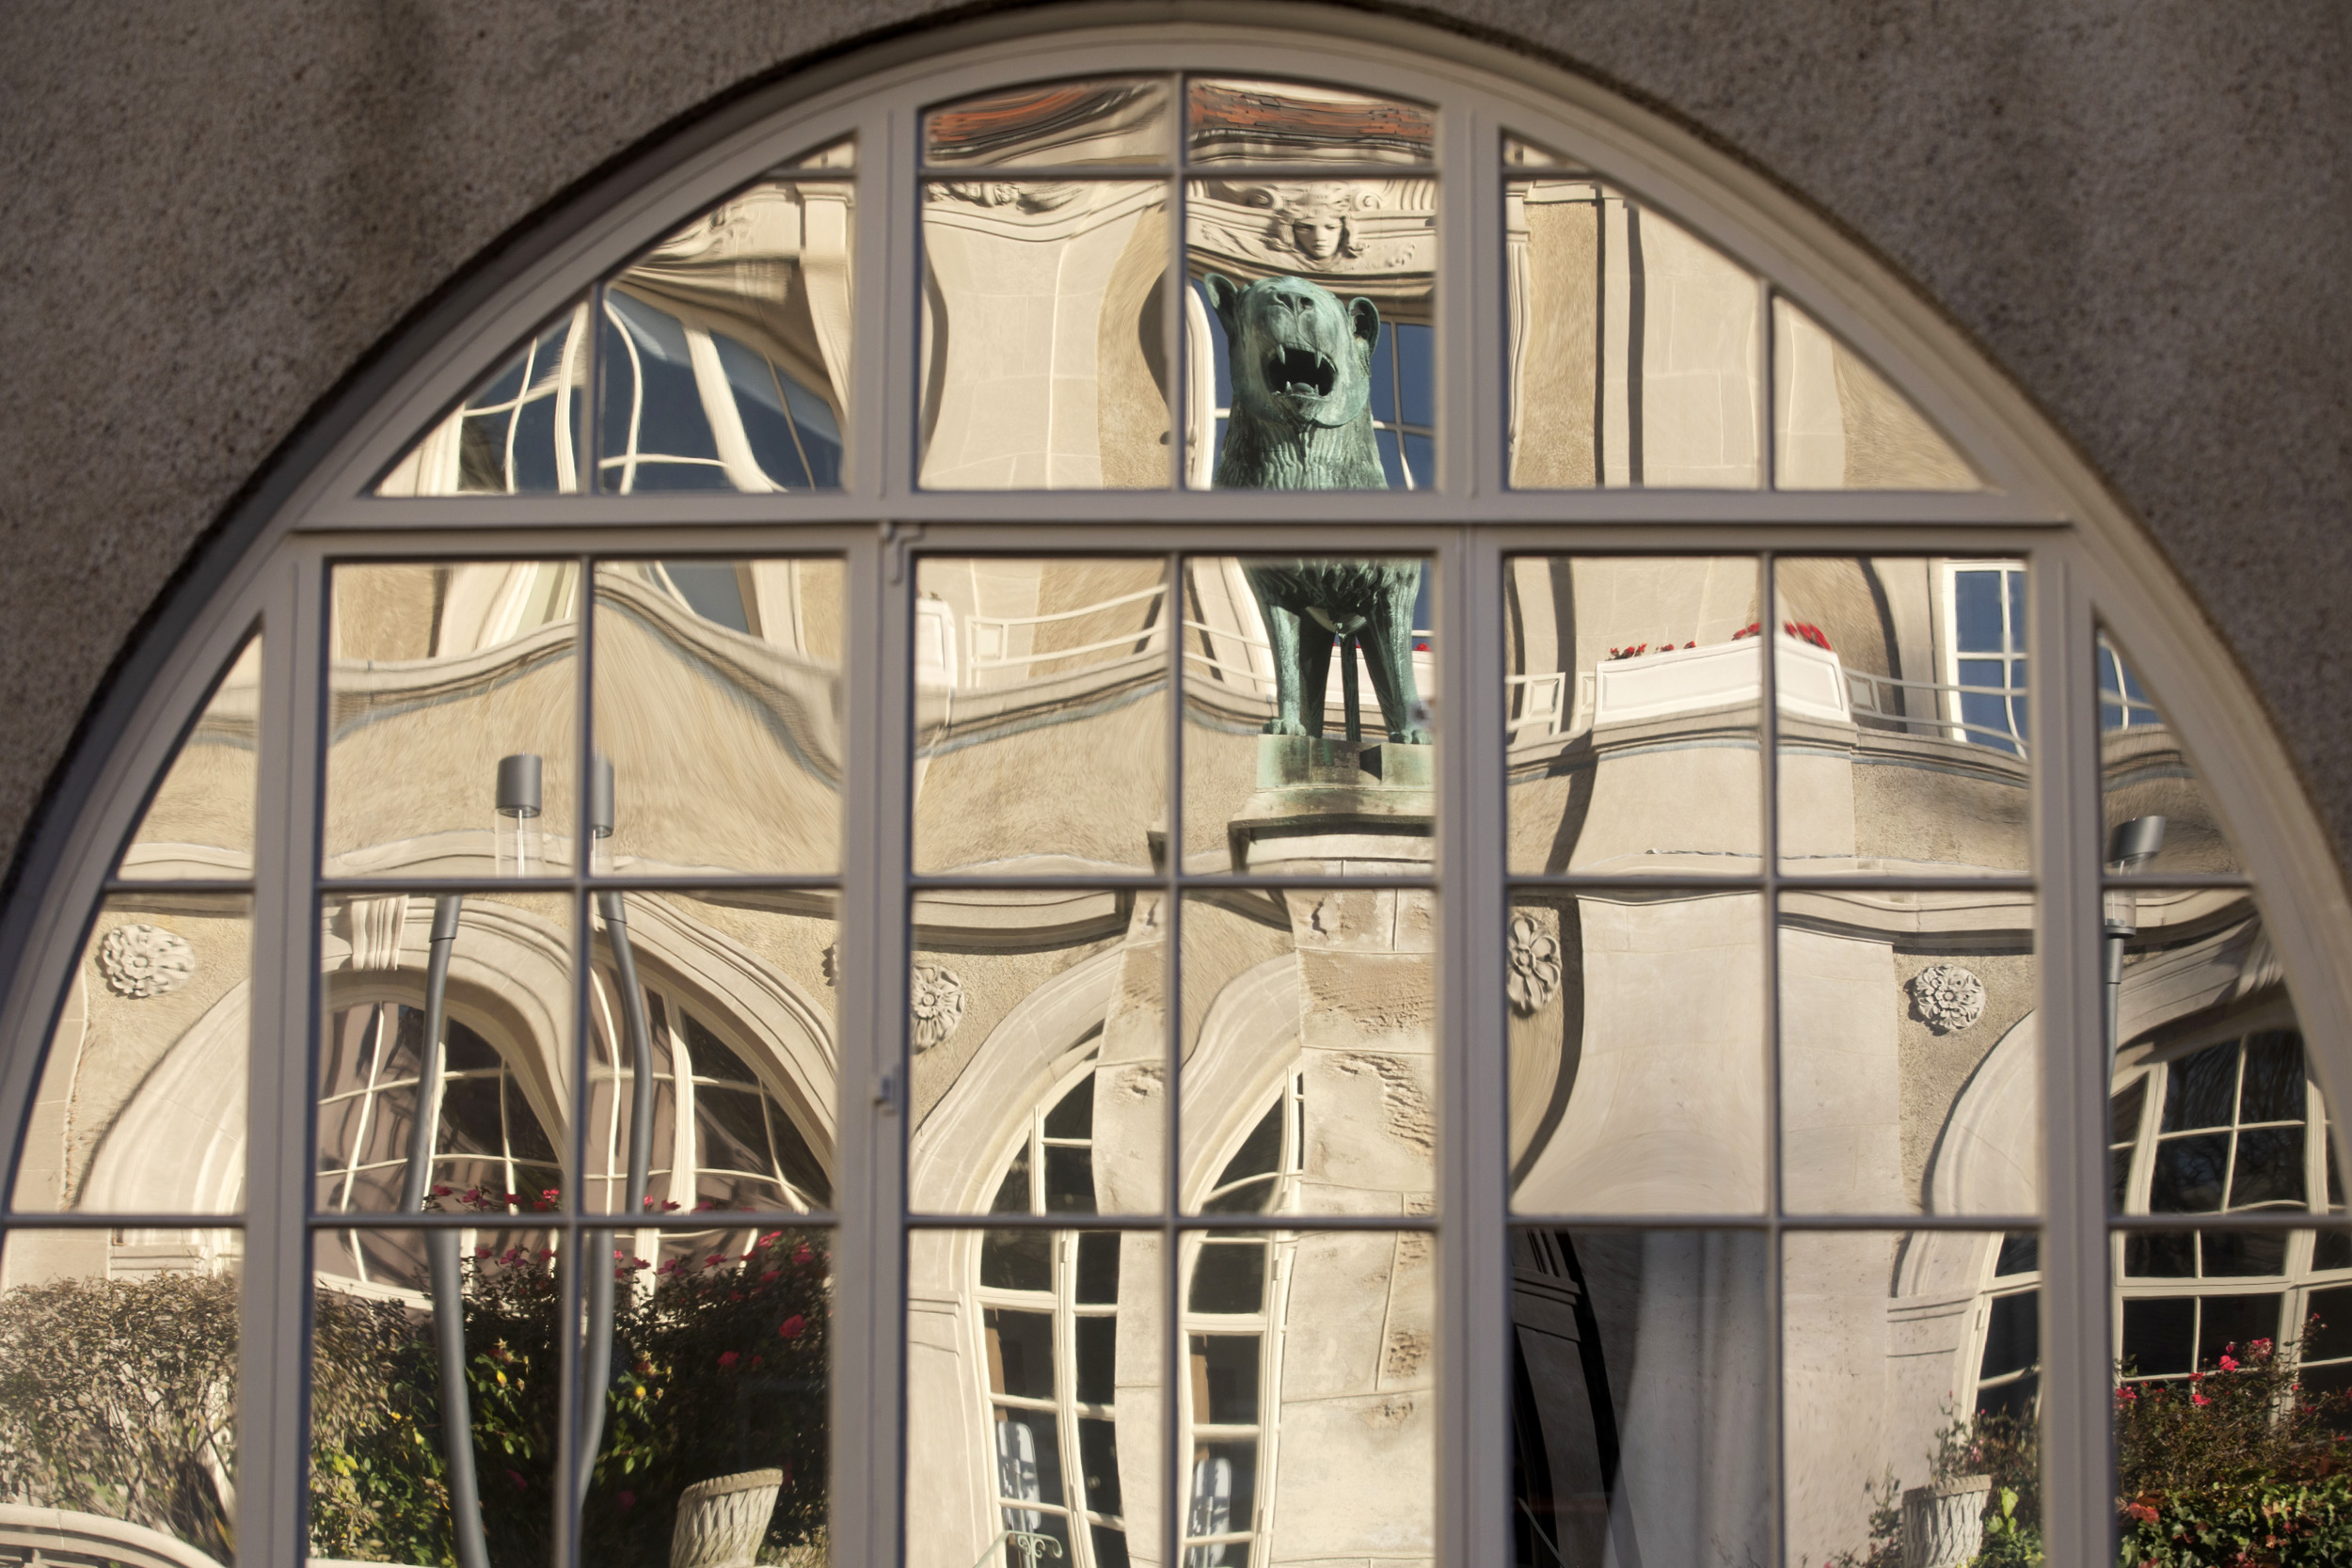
<point x="2235" y="1465"/>
<point x="117" y="1397"/>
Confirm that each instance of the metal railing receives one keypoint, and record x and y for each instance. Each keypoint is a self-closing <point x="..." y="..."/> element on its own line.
<point x="1880" y="697"/>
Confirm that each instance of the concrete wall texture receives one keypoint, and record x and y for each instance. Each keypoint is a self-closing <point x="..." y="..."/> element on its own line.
<point x="211" y="213"/>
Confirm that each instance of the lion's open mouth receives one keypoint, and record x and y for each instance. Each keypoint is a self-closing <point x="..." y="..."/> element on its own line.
<point x="1300" y="371"/>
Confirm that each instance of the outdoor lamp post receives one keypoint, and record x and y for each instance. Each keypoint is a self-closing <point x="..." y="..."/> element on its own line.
<point x="2133" y="845"/>
<point x="515" y="825"/>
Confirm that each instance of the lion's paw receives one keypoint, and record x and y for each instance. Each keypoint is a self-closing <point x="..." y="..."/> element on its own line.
<point x="1285" y="726"/>
<point x="1411" y="736"/>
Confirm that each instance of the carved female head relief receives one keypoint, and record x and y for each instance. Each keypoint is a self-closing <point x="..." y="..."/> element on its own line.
<point x="1086" y="746"/>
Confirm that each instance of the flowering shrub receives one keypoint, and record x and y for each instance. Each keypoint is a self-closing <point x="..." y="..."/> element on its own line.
<point x="2238" y="1464"/>
<point x="1803" y="631"/>
<point x="116" y="1398"/>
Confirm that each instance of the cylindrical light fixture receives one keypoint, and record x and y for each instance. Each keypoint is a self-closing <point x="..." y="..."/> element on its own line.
<point x="601" y="815"/>
<point x="515" y="828"/>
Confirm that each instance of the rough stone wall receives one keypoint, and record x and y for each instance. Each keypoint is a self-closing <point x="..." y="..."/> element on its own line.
<point x="211" y="212"/>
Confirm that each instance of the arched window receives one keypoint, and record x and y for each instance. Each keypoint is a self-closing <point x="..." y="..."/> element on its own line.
<point x="1172" y="792"/>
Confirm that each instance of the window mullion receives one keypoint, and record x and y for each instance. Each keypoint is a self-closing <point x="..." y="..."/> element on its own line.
<point x="2076" y="1429"/>
<point x="273" y="1356"/>
<point x="870" y="1247"/>
<point x="1473" y="1238"/>
<point x="880" y="438"/>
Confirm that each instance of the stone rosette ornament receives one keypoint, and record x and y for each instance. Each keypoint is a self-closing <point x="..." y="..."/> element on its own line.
<point x="141" y="960"/>
<point x="1534" y="964"/>
<point x="1946" y="998"/>
<point x="937" y="1005"/>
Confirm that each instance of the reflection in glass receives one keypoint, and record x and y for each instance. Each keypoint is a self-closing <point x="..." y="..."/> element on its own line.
<point x="1841" y="427"/>
<point x="1641" y="1420"/>
<point x="1637" y="1052"/>
<point x="1242" y="120"/>
<point x="714" y="1426"/>
<point x="1065" y="125"/>
<point x="451" y="1333"/>
<point x="517" y="432"/>
<point x="1311" y="1067"/>
<point x="1307" y="1406"/>
<point x="1033" y="1383"/>
<point x="1933" y="1104"/>
<point x="1909" y="1418"/>
<point x="718" y="713"/>
<point x="1309" y="336"/>
<point x="1052" y="674"/>
<point x="1634" y="346"/>
<point x="199" y="824"/>
<point x="1044" y="343"/>
<point x="2146" y="779"/>
<point x="496" y="1080"/>
<point x="1292" y="765"/>
<point x="142" y="1104"/>
<point x="723" y="1003"/>
<point x="1903" y="716"/>
<point x="1519" y="152"/>
<point x="450" y="703"/>
<point x="1041" y="1051"/>
<point x="725" y="353"/>
<point x="1632" y="714"/>
<point x="118" y="1395"/>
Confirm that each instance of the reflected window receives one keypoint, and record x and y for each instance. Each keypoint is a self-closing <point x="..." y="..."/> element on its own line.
<point x="1985" y="652"/>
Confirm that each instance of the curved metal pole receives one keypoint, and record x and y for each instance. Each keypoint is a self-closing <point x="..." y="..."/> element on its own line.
<point x="598" y="1248"/>
<point x="440" y="1250"/>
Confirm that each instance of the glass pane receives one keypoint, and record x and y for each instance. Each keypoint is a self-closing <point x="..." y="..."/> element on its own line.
<point x="1841" y="427"/>
<point x="518" y="432"/>
<point x="1308" y="330"/>
<point x="2159" y="816"/>
<point x="1034" y="1399"/>
<point x="1899" y="755"/>
<point x="383" y="1484"/>
<point x="1244" y="120"/>
<point x="199" y="824"/>
<point x="1291" y="764"/>
<point x="1044" y="335"/>
<point x="1308" y="1409"/>
<point x="450" y="704"/>
<point x="712" y="1429"/>
<point x="1634" y="346"/>
<point x="1638" y="1075"/>
<point x="726" y="1000"/>
<point x="719" y="714"/>
<point x="1041" y="715"/>
<point x="726" y="349"/>
<point x="1933" y="1105"/>
<point x="1310" y="1039"/>
<point x="1911" y="1383"/>
<point x="499" y="1081"/>
<point x="142" y="1104"/>
<point x="2229" y="1406"/>
<point x="1632" y="691"/>
<point x="1065" y="125"/>
<point x="2205" y="1031"/>
<point x="1642" y="1429"/>
<point x="1030" y="1008"/>
<point x="118" y="1395"/>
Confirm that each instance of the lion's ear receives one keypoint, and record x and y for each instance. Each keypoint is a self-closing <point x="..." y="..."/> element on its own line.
<point x="1224" y="299"/>
<point x="1364" y="316"/>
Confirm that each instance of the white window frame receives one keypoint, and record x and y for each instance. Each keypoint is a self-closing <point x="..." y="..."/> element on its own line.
<point x="2042" y="505"/>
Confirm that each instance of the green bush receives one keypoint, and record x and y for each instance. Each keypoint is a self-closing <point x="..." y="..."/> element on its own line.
<point x="115" y="1398"/>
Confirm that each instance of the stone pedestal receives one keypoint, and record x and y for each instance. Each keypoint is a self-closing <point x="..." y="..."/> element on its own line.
<point x="1354" y="1414"/>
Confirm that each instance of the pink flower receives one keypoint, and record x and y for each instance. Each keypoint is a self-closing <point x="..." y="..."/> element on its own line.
<point x="727" y="1359"/>
<point x="791" y="1328"/>
<point x="482" y="1252"/>
<point x="2229" y="1363"/>
<point x="2198" y="1399"/>
<point x="803" y="1255"/>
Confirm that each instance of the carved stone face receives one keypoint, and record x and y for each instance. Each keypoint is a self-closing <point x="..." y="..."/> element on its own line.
<point x="1299" y="355"/>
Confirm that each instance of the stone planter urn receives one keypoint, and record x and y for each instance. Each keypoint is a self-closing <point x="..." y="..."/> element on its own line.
<point x="1944" y="1523"/>
<point x="721" y="1521"/>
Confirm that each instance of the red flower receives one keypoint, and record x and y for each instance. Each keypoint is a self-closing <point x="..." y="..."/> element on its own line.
<point x="803" y="1255"/>
<point x="727" y="1359"/>
<point x="627" y="1499"/>
<point x="482" y="1252"/>
<point x="2229" y="1363"/>
<point x="2141" y="1512"/>
<point x="2198" y="1399"/>
<point x="791" y="1328"/>
<point x="516" y="1477"/>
